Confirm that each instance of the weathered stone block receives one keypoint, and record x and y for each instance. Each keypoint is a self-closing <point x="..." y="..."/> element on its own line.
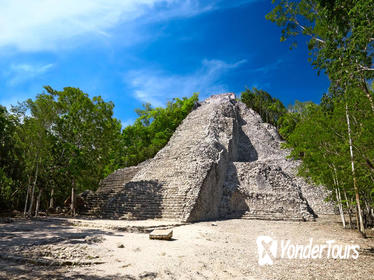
<point x="162" y="234"/>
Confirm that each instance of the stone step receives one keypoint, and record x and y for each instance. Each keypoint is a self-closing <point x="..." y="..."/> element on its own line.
<point x="183" y="165"/>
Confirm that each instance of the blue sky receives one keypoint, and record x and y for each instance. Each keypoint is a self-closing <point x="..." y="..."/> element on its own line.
<point x="136" y="51"/>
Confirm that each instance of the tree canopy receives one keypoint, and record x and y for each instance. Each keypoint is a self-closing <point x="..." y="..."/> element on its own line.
<point x="334" y="139"/>
<point x="66" y="140"/>
<point x="153" y="129"/>
<point x="341" y="37"/>
<point x="270" y="108"/>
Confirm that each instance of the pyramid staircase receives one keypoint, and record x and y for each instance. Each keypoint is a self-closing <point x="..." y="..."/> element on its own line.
<point x="109" y="187"/>
<point x="221" y="162"/>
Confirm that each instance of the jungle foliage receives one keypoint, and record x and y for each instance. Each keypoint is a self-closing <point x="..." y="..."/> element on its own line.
<point x="65" y="141"/>
<point x="270" y="108"/>
<point x="335" y="139"/>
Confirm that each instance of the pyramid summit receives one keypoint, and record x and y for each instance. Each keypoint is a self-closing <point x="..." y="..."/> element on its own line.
<point x="223" y="161"/>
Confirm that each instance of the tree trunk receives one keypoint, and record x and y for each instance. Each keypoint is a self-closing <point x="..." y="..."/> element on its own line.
<point x="368" y="95"/>
<point x="338" y="199"/>
<point x="368" y="210"/>
<point x="338" y="196"/>
<point x="27" y="196"/>
<point x="33" y="190"/>
<point x="349" y="208"/>
<point x="51" y="200"/>
<point x="357" y="195"/>
<point x="72" y="205"/>
<point x="38" y="203"/>
<point x="357" y="219"/>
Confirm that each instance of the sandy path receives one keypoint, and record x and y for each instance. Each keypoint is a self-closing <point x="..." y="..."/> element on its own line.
<point x="220" y="250"/>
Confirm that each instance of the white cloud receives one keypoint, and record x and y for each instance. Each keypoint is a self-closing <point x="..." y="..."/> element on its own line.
<point x="37" y="25"/>
<point x="19" y="73"/>
<point x="156" y="87"/>
<point x="50" y="24"/>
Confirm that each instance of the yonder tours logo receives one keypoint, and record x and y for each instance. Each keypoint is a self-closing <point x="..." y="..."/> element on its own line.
<point x="269" y="249"/>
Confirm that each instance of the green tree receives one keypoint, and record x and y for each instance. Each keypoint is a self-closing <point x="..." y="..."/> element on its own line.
<point x="334" y="141"/>
<point x="341" y="37"/>
<point x="64" y="142"/>
<point x="341" y="44"/>
<point x="295" y="113"/>
<point x="87" y="135"/>
<point x="153" y="129"/>
<point x="9" y="170"/>
<point x="35" y="139"/>
<point x="270" y="108"/>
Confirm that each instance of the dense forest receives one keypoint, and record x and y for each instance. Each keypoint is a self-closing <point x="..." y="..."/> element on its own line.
<point x="335" y="139"/>
<point x="64" y="142"/>
<point x="330" y="139"/>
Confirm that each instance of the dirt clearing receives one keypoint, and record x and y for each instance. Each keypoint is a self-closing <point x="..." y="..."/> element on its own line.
<point x="104" y="249"/>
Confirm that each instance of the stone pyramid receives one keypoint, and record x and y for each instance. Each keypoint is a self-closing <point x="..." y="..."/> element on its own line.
<point x="223" y="161"/>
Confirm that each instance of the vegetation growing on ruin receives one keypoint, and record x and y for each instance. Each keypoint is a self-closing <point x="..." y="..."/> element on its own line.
<point x="270" y="108"/>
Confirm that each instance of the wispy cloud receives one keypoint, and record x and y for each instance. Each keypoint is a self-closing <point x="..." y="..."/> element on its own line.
<point x="156" y="87"/>
<point x="43" y="24"/>
<point x="268" y="67"/>
<point x="19" y="73"/>
<point x="54" y="24"/>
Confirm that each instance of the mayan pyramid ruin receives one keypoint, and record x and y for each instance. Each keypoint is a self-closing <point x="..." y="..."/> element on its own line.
<point x="223" y="161"/>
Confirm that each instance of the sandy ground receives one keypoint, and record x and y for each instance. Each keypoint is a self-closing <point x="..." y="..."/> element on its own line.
<point x="103" y="249"/>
